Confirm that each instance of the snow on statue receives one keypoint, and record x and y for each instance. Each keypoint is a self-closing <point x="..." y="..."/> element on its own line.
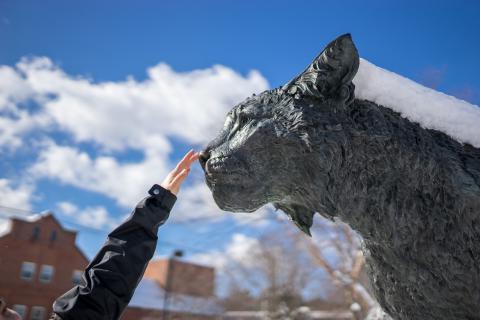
<point x="400" y="164"/>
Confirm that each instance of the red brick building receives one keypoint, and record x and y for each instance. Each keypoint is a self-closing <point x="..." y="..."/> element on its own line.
<point x="174" y="289"/>
<point x="38" y="262"/>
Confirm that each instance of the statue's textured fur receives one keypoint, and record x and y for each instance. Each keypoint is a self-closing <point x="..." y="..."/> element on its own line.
<point x="413" y="194"/>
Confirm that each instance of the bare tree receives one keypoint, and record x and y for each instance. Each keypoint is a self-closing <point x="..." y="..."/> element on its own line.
<point x="275" y="271"/>
<point x="285" y="263"/>
<point x="335" y="248"/>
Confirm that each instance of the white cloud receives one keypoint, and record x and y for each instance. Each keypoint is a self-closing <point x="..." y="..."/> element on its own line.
<point x="196" y="203"/>
<point x="96" y="217"/>
<point x="13" y="88"/>
<point x="12" y="196"/>
<point x="12" y="129"/>
<point x="118" y="116"/>
<point x="67" y="208"/>
<point x="241" y="250"/>
<point x="127" y="183"/>
<point x="16" y="197"/>
<point x="124" y="182"/>
<point x="131" y="114"/>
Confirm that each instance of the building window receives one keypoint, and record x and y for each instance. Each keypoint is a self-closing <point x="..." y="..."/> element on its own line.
<point x="21" y="310"/>
<point x="37" y="313"/>
<point x="46" y="273"/>
<point x="36" y="233"/>
<point x="53" y="236"/>
<point x="77" y="277"/>
<point x="28" y="270"/>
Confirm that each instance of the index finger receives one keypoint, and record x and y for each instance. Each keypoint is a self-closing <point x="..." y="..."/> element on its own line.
<point x="194" y="157"/>
<point x="187" y="160"/>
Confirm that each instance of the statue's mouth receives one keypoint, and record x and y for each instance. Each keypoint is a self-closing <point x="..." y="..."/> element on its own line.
<point x="230" y="186"/>
<point x="218" y="165"/>
<point x="224" y="170"/>
<point x="233" y="184"/>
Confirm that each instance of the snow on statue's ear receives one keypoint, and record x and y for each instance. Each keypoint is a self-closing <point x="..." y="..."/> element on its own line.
<point x="330" y="75"/>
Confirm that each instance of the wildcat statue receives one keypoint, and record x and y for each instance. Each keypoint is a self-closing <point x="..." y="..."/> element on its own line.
<point x="413" y="194"/>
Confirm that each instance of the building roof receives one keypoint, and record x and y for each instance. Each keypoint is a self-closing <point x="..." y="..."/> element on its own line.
<point x="7" y="223"/>
<point x="150" y="295"/>
<point x="8" y="214"/>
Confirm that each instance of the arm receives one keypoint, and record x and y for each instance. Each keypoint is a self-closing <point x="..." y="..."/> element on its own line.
<point x="110" y="279"/>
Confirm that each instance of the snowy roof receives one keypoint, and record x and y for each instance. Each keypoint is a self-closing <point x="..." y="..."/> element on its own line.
<point x="7" y="214"/>
<point x="150" y="295"/>
<point x="430" y="108"/>
<point x="5" y="226"/>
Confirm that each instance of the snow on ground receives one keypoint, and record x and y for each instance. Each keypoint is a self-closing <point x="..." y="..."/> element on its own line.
<point x="430" y="108"/>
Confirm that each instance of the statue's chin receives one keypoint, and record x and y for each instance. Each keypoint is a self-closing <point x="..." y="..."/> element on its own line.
<point x="234" y="198"/>
<point x="233" y="203"/>
<point x="235" y="192"/>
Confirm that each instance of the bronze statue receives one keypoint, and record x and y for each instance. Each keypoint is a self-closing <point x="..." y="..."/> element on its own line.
<point x="412" y="193"/>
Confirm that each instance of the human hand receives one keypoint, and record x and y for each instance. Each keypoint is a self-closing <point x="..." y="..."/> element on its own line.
<point x="175" y="178"/>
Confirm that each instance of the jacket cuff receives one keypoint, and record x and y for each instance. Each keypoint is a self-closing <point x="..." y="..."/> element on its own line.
<point x="163" y="196"/>
<point x="151" y="212"/>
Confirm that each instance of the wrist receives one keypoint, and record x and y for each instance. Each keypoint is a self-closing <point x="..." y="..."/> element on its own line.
<point x="164" y="196"/>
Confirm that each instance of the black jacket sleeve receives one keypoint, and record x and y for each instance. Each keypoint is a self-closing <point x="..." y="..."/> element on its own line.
<point x="111" y="277"/>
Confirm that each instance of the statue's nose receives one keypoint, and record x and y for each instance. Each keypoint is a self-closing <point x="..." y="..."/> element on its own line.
<point x="203" y="158"/>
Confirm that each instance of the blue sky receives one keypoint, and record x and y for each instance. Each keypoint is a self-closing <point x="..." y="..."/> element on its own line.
<point x="431" y="42"/>
<point x="109" y="40"/>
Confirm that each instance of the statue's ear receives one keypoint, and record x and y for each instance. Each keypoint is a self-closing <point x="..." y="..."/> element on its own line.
<point x="300" y="215"/>
<point x="330" y="74"/>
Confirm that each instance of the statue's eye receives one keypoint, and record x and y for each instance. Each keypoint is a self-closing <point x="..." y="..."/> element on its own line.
<point x="239" y="121"/>
<point x="242" y="120"/>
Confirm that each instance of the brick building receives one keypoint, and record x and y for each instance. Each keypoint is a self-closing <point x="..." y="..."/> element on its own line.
<point x="39" y="261"/>
<point x="174" y="289"/>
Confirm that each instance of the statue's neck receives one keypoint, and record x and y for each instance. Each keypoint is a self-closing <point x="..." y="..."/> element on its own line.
<point x="373" y="166"/>
<point x="376" y="169"/>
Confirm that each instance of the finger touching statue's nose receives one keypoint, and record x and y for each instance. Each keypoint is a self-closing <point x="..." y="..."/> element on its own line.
<point x="203" y="158"/>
